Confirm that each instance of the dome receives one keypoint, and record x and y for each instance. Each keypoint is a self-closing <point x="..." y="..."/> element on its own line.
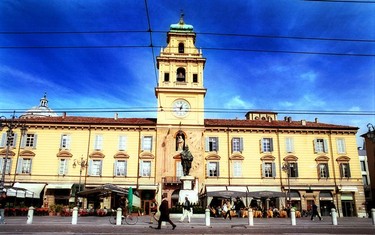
<point x="40" y="111"/>
<point x="181" y="26"/>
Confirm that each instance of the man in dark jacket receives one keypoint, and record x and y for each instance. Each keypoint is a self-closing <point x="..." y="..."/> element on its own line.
<point x="164" y="214"/>
<point x="3" y="200"/>
<point x="315" y="212"/>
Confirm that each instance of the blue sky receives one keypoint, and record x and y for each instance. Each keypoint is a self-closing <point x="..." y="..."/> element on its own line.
<point x="303" y="59"/>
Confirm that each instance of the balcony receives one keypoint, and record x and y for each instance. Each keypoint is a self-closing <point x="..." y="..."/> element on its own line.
<point x="171" y="180"/>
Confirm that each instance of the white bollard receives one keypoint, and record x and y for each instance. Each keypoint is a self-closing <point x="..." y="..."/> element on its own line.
<point x="334" y="216"/>
<point x="250" y="216"/>
<point x="293" y="216"/>
<point x="118" y="216"/>
<point x="30" y="215"/>
<point x="373" y="216"/>
<point x="75" y="215"/>
<point x="207" y="216"/>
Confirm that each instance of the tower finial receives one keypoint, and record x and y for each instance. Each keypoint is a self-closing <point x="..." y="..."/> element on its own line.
<point x="182" y="17"/>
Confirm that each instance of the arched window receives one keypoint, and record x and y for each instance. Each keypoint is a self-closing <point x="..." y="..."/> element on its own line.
<point x="181" y="48"/>
<point x="180" y="75"/>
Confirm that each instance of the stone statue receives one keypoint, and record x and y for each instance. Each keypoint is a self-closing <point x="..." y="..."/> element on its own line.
<point x="186" y="159"/>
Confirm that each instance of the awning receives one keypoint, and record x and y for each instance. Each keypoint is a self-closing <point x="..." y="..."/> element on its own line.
<point x="102" y="190"/>
<point x="348" y="189"/>
<point x="23" y="190"/>
<point x="226" y="191"/>
<point x="59" y="186"/>
<point x="264" y="192"/>
<point x="147" y="187"/>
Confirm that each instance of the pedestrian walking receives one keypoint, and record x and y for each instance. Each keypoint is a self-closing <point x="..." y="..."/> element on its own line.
<point x="239" y="206"/>
<point x="153" y="209"/>
<point x="315" y="212"/>
<point x="3" y="201"/>
<point x="186" y="210"/>
<point x="164" y="214"/>
<point x="227" y="207"/>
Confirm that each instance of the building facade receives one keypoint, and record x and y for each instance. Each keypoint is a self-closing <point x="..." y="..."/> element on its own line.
<point x="266" y="161"/>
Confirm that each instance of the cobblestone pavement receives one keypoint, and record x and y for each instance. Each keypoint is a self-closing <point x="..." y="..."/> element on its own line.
<point x="100" y="225"/>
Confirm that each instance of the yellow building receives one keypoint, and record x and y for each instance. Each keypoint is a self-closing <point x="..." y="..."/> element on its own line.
<point x="265" y="161"/>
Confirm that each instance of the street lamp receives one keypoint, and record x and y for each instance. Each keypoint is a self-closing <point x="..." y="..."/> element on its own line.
<point x="371" y="132"/>
<point x="11" y="124"/>
<point x="286" y="168"/>
<point x="82" y="165"/>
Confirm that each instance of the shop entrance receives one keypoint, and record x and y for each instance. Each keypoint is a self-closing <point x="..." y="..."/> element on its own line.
<point x="347" y="208"/>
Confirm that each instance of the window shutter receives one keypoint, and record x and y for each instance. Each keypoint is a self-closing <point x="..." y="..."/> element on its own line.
<point x="273" y="168"/>
<point x="62" y="141"/>
<point x="218" y="169"/>
<point x="349" y="174"/>
<point x="241" y="144"/>
<point x="3" y="140"/>
<point x="23" y="141"/>
<point x="115" y="168"/>
<point x="14" y="140"/>
<point x="1" y="164"/>
<point x="68" y="138"/>
<point x="325" y="146"/>
<point x="66" y="166"/>
<point x="90" y="167"/>
<point x="35" y="140"/>
<point x="327" y="168"/>
<point x="263" y="170"/>
<point x="19" y="166"/>
<point x="296" y="170"/>
<point x="318" y="170"/>
<point x="31" y="165"/>
<point x="141" y="168"/>
<point x="125" y="168"/>
<point x="271" y="146"/>
<point x="151" y="140"/>
<point x="100" y="169"/>
<point x="315" y="145"/>
<point x="232" y="145"/>
<point x="217" y="143"/>
<point x="341" y="171"/>
<point x="261" y="143"/>
<point x="207" y="169"/>
<point x="207" y="140"/>
<point x="143" y="143"/>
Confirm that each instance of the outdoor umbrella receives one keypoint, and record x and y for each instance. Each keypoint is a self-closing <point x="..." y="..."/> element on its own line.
<point x="130" y="199"/>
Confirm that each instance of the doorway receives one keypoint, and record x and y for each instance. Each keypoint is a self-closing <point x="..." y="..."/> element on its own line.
<point x="347" y="208"/>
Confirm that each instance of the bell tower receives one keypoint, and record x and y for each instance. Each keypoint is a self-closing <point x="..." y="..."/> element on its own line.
<point x="180" y="92"/>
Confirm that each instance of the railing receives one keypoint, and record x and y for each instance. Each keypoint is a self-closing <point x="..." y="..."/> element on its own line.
<point x="171" y="180"/>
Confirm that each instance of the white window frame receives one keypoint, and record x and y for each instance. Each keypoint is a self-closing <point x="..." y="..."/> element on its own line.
<point x="345" y="170"/>
<point x="147" y="143"/>
<point x="63" y="166"/>
<point x="320" y="145"/>
<point x="323" y="170"/>
<point x="24" y="165"/>
<point x="289" y="145"/>
<point x="213" y="169"/>
<point x="341" y="147"/>
<point x="122" y="140"/>
<point x="267" y="145"/>
<point x="95" y="167"/>
<point x="65" y="141"/>
<point x="237" y="168"/>
<point x="7" y="167"/>
<point x="145" y="168"/>
<point x="29" y="140"/>
<point x="120" y="168"/>
<point x="98" y="142"/>
<point x="212" y="144"/>
<point x="268" y="169"/>
<point x="237" y="144"/>
<point x="4" y="140"/>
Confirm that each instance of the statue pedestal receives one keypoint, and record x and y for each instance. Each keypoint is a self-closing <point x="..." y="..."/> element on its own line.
<point x="187" y="182"/>
<point x="187" y="190"/>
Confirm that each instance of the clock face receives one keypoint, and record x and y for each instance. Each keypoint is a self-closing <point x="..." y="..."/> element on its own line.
<point x="180" y="108"/>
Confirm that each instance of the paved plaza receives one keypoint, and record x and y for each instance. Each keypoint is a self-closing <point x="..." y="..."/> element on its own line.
<point x="101" y="225"/>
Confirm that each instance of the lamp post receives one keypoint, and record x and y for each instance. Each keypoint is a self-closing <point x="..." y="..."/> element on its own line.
<point x="82" y="165"/>
<point x="286" y="168"/>
<point x="11" y="124"/>
<point x="371" y="132"/>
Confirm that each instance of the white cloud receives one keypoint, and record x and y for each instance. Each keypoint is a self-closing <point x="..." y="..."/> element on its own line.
<point x="309" y="76"/>
<point x="237" y="103"/>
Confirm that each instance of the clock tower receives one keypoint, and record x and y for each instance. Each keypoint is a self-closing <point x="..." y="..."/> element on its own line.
<point x="180" y="92"/>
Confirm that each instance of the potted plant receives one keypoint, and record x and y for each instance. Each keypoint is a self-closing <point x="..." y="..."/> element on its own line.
<point x="59" y="209"/>
<point x="52" y="210"/>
